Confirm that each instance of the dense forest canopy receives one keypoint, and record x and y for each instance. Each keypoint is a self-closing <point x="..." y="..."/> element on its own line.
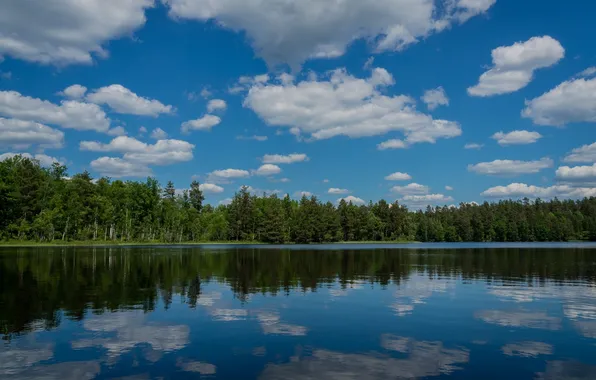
<point x="43" y="204"/>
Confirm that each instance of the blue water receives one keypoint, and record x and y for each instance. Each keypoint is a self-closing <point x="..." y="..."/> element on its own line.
<point x="388" y="312"/>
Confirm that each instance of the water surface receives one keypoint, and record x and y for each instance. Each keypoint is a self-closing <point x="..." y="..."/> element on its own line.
<point x="324" y="312"/>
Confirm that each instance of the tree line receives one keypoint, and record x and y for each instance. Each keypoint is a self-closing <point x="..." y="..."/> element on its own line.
<point x="45" y="205"/>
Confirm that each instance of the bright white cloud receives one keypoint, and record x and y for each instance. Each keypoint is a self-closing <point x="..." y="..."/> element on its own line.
<point x="117" y="168"/>
<point x="116" y="131"/>
<point x="267" y="170"/>
<point x="516" y="137"/>
<point x="398" y="176"/>
<point x="412" y="188"/>
<point x="392" y="144"/>
<point x="287" y="159"/>
<point x="211" y="188"/>
<point x="121" y="100"/>
<point x="419" y="201"/>
<point x="63" y="32"/>
<point x="473" y="146"/>
<point x="577" y="173"/>
<point x="253" y="137"/>
<point x="514" y="66"/>
<point x="76" y="91"/>
<point x="216" y="105"/>
<point x="300" y="194"/>
<point x="335" y="190"/>
<point x="585" y="153"/>
<point x="44" y="160"/>
<point x="435" y="98"/>
<point x="570" y="102"/>
<point x="343" y="105"/>
<point x="352" y="199"/>
<point x="204" y="123"/>
<point x="159" y="134"/>
<point x="23" y="134"/>
<point x="69" y="114"/>
<point x="590" y="71"/>
<point x="519" y="190"/>
<point x="323" y="29"/>
<point x="227" y="175"/>
<point x="511" y="167"/>
<point x="163" y="152"/>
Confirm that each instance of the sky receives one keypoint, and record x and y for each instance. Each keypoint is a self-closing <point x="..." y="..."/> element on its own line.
<point x="422" y="101"/>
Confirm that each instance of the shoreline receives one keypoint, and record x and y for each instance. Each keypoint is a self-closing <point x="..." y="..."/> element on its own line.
<point x="28" y="244"/>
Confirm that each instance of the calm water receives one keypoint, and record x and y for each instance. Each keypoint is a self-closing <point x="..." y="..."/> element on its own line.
<point x="474" y="312"/>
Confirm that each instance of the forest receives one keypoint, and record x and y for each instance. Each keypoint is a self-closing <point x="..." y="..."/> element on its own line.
<point x="46" y="205"/>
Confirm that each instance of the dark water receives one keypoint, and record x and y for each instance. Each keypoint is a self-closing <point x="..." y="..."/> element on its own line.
<point x="475" y="312"/>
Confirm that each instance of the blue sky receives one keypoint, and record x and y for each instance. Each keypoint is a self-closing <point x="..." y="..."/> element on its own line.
<point x="184" y="89"/>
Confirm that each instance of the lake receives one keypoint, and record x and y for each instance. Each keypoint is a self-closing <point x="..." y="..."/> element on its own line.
<point x="468" y="311"/>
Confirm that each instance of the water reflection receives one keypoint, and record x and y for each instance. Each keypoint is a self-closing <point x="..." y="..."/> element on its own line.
<point x="150" y="313"/>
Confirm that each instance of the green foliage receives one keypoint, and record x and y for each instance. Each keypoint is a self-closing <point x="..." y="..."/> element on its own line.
<point x="45" y="205"/>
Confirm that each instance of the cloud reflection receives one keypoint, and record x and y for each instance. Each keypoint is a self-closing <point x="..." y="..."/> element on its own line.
<point x="567" y="370"/>
<point x="533" y="320"/>
<point x="527" y="349"/>
<point x="270" y="323"/>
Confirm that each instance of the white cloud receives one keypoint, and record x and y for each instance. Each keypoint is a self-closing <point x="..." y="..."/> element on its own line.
<point x="585" y="153"/>
<point x="412" y="188"/>
<point x="121" y="100"/>
<point x="211" y="188"/>
<point x="514" y="66"/>
<point x="267" y="170"/>
<point x="418" y="201"/>
<point x="325" y="180"/>
<point x="516" y="137"/>
<point x="448" y="188"/>
<point x="392" y="144"/>
<point x="117" y="168"/>
<point x="19" y="133"/>
<point x="202" y="124"/>
<point x="116" y="131"/>
<point x="354" y="200"/>
<point x="343" y="105"/>
<point x="142" y="130"/>
<point x="473" y="146"/>
<point x="398" y="176"/>
<point x="253" y="137"/>
<point x="577" y="173"/>
<point x="590" y="71"/>
<point x="76" y="91"/>
<point x="435" y="98"/>
<point x="226" y="201"/>
<point x="66" y="31"/>
<point x="69" y="114"/>
<point x="570" y="102"/>
<point x="259" y="192"/>
<point x="44" y="160"/>
<point x="281" y="159"/>
<point x="163" y="152"/>
<point x="519" y="190"/>
<point x="323" y="29"/>
<point x="159" y="134"/>
<point x="300" y="194"/>
<point x="335" y="190"/>
<point x="511" y="167"/>
<point x="227" y="175"/>
<point x="205" y="93"/>
<point x="216" y="105"/>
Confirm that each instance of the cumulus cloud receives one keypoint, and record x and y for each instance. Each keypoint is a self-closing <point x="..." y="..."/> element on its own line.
<point x="398" y="176"/>
<point x="66" y="31"/>
<point x="211" y="188"/>
<point x="392" y="144"/>
<point x="577" y="173"/>
<point x="514" y="66"/>
<point x="204" y="123"/>
<point x="287" y="159"/>
<point x="267" y="170"/>
<point x="343" y="105"/>
<point x="323" y="29"/>
<point x="352" y="199"/>
<point x="69" y="114"/>
<point x="516" y="137"/>
<point x="121" y="100"/>
<point x="572" y="101"/>
<point x="44" y="160"/>
<point x="590" y="71"/>
<point x="585" y="153"/>
<point x="227" y="175"/>
<point x="216" y="105"/>
<point x="23" y="134"/>
<point x="300" y="194"/>
<point x="520" y="190"/>
<point x="412" y="188"/>
<point x="511" y="167"/>
<point x="76" y="91"/>
<point x="419" y="201"/>
<point x="473" y="146"/>
<point x="117" y="168"/>
<point x="335" y="190"/>
<point x="435" y="98"/>
<point x="159" y="134"/>
<point x="117" y="131"/>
